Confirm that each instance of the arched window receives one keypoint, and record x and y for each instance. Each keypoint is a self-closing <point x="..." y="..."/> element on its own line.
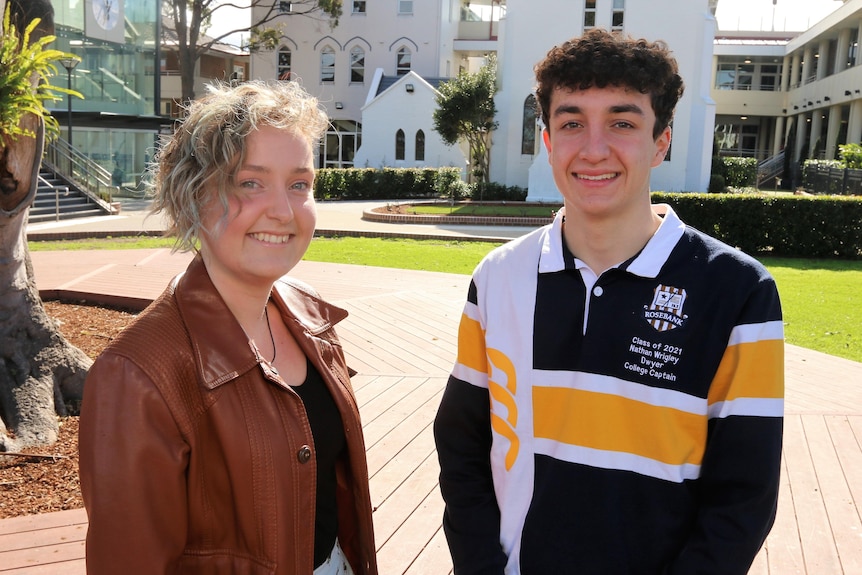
<point x="357" y="65"/>
<point x="399" y="145"/>
<point x="420" y="146"/>
<point x="528" y="132"/>
<point x="403" y="60"/>
<point x="283" y="70"/>
<point x="327" y="64"/>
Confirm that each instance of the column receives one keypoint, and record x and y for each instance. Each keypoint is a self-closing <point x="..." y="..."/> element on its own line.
<point x="801" y="137"/>
<point x="854" y="125"/>
<point x="795" y="70"/>
<point x="786" y="72"/>
<point x="807" y="58"/>
<point x="816" y="129"/>
<point x="823" y="64"/>
<point x="832" y="132"/>
<point x="778" y="138"/>
<point x="842" y="51"/>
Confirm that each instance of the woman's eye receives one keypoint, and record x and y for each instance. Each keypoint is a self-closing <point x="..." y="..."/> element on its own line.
<point x="302" y="186"/>
<point x="248" y="184"/>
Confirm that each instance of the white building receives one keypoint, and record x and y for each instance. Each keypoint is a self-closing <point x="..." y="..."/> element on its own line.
<point x="357" y="69"/>
<point x="790" y="92"/>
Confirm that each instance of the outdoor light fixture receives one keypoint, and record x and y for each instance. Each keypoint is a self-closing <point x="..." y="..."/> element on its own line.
<point x="409" y="87"/>
<point x="795" y="107"/>
<point x="69" y="64"/>
<point x="827" y="99"/>
<point x="339" y="105"/>
<point x="847" y="92"/>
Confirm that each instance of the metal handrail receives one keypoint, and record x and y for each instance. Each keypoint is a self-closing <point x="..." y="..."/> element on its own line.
<point x="93" y="180"/>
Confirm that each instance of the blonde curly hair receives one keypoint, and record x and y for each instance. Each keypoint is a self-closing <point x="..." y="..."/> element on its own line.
<point x="207" y="147"/>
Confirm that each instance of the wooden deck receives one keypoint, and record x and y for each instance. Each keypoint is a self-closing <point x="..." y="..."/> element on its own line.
<point x="400" y="336"/>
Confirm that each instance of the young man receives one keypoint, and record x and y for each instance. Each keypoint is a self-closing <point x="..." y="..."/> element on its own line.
<point x="633" y="366"/>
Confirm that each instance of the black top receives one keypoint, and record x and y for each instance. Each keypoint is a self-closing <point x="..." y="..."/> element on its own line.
<point x="328" y="433"/>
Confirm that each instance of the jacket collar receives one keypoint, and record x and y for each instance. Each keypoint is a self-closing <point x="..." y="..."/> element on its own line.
<point x="647" y="263"/>
<point x="221" y="349"/>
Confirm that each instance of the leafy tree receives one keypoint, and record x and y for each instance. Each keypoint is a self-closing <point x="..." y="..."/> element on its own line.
<point x="189" y="20"/>
<point x="466" y="109"/>
<point x="41" y="374"/>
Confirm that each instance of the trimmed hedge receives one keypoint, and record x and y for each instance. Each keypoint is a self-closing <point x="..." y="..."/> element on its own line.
<point x="794" y="226"/>
<point x="737" y="172"/>
<point x="386" y="183"/>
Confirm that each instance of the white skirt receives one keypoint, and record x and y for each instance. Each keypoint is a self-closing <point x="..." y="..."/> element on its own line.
<point x="336" y="564"/>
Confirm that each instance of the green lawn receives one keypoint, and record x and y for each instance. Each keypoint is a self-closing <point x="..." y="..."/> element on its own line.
<point x="514" y="210"/>
<point x="822" y="299"/>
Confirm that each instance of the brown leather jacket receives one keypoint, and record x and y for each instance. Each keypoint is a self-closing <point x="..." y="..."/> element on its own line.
<point x="196" y="458"/>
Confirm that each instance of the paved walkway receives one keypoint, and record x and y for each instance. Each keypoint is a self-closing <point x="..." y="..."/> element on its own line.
<point x="402" y="369"/>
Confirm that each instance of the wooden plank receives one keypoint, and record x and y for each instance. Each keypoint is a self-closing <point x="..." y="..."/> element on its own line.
<point x="843" y="491"/>
<point x="434" y="559"/>
<point x="398" y="437"/>
<point x="399" y="552"/>
<point x="783" y="549"/>
<point x="43" y="521"/>
<point x="395" y="508"/>
<point x="815" y="534"/>
<point x="26" y="559"/>
<point x="392" y="475"/>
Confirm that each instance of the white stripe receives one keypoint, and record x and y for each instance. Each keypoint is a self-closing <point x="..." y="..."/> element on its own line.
<point x="616" y="460"/>
<point x="471" y="310"/>
<point x="470" y="375"/>
<point x="752" y="332"/>
<point x="748" y="406"/>
<point x="613" y="386"/>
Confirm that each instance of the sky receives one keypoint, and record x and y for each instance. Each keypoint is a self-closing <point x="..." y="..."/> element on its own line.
<point x="783" y="15"/>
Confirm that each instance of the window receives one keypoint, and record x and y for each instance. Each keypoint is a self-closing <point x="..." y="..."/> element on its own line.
<point x="327" y="65"/>
<point x="617" y="14"/>
<point x="357" y="65"/>
<point x="754" y="73"/>
<point x="283" y="68"/>
<point x="405" y="6"/>
<point x="420" y="146"/>
<point x="359" y="6"/>
<point x="284" y="7"/>
<point x="399" y="145"/>
<point x="528" y="135"/>
<point x="338" y="148"/>
<point x="590" y="14"/>
<point x="402" y="62"/>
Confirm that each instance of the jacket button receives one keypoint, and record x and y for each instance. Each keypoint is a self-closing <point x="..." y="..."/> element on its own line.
<point x="304" y="454"/>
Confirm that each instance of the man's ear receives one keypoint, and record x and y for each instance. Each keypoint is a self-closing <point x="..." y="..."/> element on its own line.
<point x="546" y="138"/>
<point x="662" y="145"/>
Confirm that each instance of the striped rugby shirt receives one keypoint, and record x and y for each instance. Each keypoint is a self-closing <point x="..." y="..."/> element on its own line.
<point x="635" y="418"/>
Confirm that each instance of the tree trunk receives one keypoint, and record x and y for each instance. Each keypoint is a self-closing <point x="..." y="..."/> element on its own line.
<point x="41" y="374"/>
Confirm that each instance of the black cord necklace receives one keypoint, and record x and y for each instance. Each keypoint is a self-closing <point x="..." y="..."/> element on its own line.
<point x="271" y="337"/>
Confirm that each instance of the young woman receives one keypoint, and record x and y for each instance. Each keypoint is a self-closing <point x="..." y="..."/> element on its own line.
<point x="219" y="433"/>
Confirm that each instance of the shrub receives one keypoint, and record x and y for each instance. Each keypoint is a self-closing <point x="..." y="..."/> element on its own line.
<point x="716" y="183"/>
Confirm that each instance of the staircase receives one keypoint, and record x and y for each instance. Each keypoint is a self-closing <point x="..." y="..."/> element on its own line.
<point x="80" y="190"/>
<point x="770" y="169"/>
<point x="57" y="200"/>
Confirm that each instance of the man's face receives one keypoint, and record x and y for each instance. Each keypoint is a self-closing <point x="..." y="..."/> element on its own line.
<point x="601" y="149"/>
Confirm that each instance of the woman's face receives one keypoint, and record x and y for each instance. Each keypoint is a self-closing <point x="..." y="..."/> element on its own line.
<point x="271" y="214"/>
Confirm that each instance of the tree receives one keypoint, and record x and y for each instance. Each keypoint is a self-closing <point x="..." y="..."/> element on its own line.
<point x="466" y="109"/>
<point x="41" y="374"/>
<point x="189" y="20"/>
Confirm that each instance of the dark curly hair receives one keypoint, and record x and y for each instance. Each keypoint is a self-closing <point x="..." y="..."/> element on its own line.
<point x="600" y="59"/>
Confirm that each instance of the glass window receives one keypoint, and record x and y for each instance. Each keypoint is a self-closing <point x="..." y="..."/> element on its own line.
<point x="284" y="7"/>
<point x="528" y="134"/>
<point x="617" y="14"/>
<point x="402" y="63"/>
<point x="283" y="63"/>
<point x="399" y="145"/>
<point x="420" y="146"/>
<point x="405" y="6"/>
<point x="327" y="64"/>
<point x="589" y="14"/>
<point x="357" y="65"/>
<point x="359" y="6"/>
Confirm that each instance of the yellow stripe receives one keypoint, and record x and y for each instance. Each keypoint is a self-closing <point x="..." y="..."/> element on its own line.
<point x="503" y="429"/>
<point x="613" y="423"/>
<point x="471" y="345"/>
<point x="750" y="370"/>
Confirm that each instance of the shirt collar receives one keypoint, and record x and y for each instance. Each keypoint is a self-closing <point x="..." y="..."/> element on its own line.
<point x="222" y="350"/>
<point x="647" y="263"/>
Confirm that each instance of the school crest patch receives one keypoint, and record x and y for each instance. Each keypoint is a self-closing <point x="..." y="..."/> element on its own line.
<point x="665" y="311"/>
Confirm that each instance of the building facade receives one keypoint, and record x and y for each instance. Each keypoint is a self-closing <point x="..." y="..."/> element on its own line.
<point x="796" y="94"/>
<point x="116" y="123"/>
<point x="440" y="38"/>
